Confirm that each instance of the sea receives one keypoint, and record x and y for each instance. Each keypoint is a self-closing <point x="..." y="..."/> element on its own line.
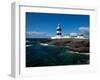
<point x="39" y="54"/>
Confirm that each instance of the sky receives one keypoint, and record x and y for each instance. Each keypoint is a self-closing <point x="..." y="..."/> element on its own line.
<point x="45" y="23"/>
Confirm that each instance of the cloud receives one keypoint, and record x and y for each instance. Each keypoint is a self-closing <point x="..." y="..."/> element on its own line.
<point x="83" y="28"/>
<point x="84" y="31"/>
<point x="36" y="35"/>
<point x="73" y="34"/>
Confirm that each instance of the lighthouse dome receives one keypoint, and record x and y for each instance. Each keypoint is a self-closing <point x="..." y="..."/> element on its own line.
<point x="58" y="27"/>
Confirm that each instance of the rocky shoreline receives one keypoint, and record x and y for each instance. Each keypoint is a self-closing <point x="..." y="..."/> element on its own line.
<point x="74" y="45"/>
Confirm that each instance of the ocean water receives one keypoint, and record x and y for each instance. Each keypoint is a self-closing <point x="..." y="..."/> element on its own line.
<point x="38" y="55"/>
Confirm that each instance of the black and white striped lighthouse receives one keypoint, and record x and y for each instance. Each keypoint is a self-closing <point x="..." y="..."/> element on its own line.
<point x="58" y="31"/>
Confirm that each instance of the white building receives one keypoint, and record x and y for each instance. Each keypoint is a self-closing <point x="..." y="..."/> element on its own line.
<point x="66" y="36"/>
<point x="80" y="37"/>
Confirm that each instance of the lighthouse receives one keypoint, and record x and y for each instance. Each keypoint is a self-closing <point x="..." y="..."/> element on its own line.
<point x="58" y="31"/>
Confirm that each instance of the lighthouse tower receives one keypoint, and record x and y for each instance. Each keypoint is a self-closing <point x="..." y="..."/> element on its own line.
<point x="58" y="31"/>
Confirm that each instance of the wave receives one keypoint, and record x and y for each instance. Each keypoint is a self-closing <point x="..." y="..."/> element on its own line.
<point x="28" y="45"/>
<point x="43" y="44"/>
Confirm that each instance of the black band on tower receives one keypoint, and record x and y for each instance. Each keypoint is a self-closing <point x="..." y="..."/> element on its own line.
<point x="58" y="33"/>
<point x="59" y="29"/>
